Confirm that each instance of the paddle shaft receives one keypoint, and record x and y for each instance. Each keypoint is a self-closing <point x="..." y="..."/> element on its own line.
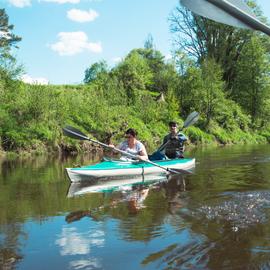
<point x="230" y="12"/>
<point x="241" y="15"/>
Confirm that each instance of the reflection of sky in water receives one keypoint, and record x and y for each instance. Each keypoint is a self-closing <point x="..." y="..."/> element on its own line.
<point x="73" y="242"/>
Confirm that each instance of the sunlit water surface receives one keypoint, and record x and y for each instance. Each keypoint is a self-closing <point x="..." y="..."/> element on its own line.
<point x="216" y="218"/>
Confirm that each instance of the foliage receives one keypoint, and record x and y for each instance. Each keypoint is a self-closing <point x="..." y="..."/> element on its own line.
<point x="134" y="73"/>
<point x="201" y="38"/>
<point x="227" y="84"/>
<point x="97" y="69"/>
<point x="251" y="87"/>
<point x="8" y="41"/>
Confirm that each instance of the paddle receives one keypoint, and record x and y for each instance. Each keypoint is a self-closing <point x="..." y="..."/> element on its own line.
<point x="77" y="134"/>
<point x="232" y="12"/>
<point x="191" y="119"/>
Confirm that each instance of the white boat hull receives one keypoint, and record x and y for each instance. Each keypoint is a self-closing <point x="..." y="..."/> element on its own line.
<point x="89" y="173"/>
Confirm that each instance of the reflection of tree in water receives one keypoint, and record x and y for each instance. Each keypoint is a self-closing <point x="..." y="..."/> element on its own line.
<point x="26" y="190"/>
<point x="233" y="234"/>
<point x="238" y="224"/>
<point x="141" y="211"/>
<point x="9" y="246"/>
<point x="116" y="204"/>
<point x="174" y="189"/>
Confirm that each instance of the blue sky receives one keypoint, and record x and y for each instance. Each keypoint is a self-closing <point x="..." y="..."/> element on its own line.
<point x="61" y="38"/>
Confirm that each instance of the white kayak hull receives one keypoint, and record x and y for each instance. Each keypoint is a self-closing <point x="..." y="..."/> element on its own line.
<point x="121" y="169"/>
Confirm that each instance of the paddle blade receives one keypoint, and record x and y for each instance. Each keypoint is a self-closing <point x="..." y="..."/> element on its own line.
<point x="230" y="12"/>
<point x="74" y="133"/>
<point x="191" y="119"/>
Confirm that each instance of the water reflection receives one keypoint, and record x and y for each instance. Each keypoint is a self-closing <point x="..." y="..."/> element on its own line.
<point x="112" y="184"/>
<point x="76" y="244"/>
<point x="10" y="253"/>
<point x="216" y="218"/>
<point x="116" y="193"/>
<point x="191" y="255"/>
<point x="133" y="190"/>
<point x="72" y="242"/>
<point x="242" y="210"/>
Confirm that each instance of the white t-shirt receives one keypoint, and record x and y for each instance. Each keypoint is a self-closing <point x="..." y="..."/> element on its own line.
<point x="138" y="147"/>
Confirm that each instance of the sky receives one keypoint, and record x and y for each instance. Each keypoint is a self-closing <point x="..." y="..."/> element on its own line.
<point x="62" y="38"/>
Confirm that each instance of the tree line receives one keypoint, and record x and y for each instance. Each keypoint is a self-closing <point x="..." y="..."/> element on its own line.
<point x="217" y="70"/>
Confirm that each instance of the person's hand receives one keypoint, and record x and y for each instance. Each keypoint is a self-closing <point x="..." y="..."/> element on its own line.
<point x="111" y="146"/>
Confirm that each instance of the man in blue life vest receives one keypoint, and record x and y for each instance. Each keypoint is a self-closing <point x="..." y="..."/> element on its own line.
<point x="174" y="142"/>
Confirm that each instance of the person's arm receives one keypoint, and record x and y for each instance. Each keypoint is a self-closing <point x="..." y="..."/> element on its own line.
<point x="114" y="148"/>
<point x="143" y="153"/>
<point x="165" y="139"/>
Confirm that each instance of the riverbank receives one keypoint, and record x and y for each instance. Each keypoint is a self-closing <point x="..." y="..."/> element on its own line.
<point x="83" y="147"/>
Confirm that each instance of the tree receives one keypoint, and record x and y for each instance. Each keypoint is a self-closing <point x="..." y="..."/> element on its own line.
<point x="189" y="90"/>
<point x="164" y="73"/>
<point x="149" y="43"/>
<point x="251" y="88"/>
<point x="7" y="38"/>
<point x="212" y="95"/>
<point x="201" y="89"/>
<point x="134" y="73"/>
<point x="201" y="38"/>
<point x="94" y="71"/>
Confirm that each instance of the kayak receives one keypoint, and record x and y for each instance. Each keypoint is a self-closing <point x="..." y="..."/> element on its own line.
<point x="119" y="168"/>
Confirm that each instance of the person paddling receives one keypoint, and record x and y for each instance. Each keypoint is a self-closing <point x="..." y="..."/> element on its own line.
<point x="174" y="142"/>
<point x="132" y="146"/>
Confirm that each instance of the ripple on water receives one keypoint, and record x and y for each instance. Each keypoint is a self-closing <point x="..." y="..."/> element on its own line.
<point x="194" y="255"/>
<point x="190" y="253"/>
<point x="240" y="209"/>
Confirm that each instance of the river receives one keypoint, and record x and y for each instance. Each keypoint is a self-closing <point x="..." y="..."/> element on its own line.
<point x="218" y="217"/>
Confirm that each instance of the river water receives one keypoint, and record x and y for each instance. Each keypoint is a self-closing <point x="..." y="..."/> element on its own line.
<point x="218" y="217"/>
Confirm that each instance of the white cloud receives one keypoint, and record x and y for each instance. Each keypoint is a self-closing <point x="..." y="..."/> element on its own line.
<point x="63" y="1"/>
<point x="71" y="43"/>
<point x="20" y="3"/>
<point x="81" y="16"/>
<point x="30" y="80"/>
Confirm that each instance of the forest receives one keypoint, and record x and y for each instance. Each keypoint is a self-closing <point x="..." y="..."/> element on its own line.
<point x="218" y="70"/>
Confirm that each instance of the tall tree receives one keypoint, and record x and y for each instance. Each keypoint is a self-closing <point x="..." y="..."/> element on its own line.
<point x="251" y="88"/>
<point x="212" y="94"/>
<point x="201" y="38"/>
<point x="164" y="72"/>
<point x="7" y="38"/>
<point x="95" y="70"/>
<point x="149" y="43"/>
<point x="202" y="89"/>
<point x="8" y="41"/>
<point x="134" y="73"/>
